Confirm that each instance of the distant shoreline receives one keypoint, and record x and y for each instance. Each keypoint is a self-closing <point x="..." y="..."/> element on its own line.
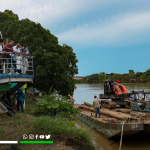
<point x="119" y="83"/>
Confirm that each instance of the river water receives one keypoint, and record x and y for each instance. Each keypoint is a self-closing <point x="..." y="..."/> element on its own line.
<point x="140" y="141"/>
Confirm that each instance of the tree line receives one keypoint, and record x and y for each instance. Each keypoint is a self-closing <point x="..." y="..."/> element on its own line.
<point x="129" y="77"/>
<point x="54" y="65"/>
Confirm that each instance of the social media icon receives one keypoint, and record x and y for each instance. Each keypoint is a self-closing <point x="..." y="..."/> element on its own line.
<point x="31" y="136"/>
<point x="36" y="136"/>
<point x="47" y="136"/>
<point x="25" y="136"/>
<point x="41" y="136"/>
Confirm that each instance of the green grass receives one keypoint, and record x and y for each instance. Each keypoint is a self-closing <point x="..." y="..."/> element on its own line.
<point x="30" y="102"/>
<point x="2" y="133"/>
<point x="63" y="132"/>
<point x="64" y="129"/>
<point x="60" y="129"/>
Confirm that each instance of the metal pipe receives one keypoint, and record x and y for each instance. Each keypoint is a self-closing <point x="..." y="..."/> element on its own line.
<point x="105" y="113"/>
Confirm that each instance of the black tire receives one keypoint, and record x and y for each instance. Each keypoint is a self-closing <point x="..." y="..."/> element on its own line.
<point x="123" y="106"/>
<point x="9" y="113"/>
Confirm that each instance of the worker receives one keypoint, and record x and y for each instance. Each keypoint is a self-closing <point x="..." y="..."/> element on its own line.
<point x="20" y="100"/>
<point x="14" y="60"/>
<point x="8" y="48"/>
<point x="25" y="51"/>
<point x="71" y="98"/>
<point x="23" y="95"/>
<point x="33" y="90"/>
<point x="96" y="105"/>
<point x="143" y="103"/>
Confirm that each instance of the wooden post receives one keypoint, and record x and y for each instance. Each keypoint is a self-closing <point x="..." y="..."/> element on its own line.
<point x="121" y="135"/>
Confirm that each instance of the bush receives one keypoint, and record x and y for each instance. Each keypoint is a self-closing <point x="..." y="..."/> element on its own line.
<point x="56" y="105"/>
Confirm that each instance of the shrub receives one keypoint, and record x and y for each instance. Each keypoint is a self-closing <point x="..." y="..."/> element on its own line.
<point x="63" y="128"/>
<point x="56" y="105"/>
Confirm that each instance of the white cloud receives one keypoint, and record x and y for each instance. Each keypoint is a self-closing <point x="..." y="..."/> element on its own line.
<point x="118" y="28"/>
<point x="32" y="11"/>
<point x="46" y="11"/>
<point x="111" y="30"/>
<point x="50" y="11"/>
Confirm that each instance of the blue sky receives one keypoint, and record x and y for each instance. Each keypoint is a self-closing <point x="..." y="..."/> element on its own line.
<point x="107" y="36"/>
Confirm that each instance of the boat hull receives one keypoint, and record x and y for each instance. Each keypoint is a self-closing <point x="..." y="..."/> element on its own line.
<point x="111" y="129"/>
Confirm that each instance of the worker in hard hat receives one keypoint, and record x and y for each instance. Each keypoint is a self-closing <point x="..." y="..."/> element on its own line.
<point x="71" y="98"/>
<point x="96" y="105"/>
<point x="143" y="103"/>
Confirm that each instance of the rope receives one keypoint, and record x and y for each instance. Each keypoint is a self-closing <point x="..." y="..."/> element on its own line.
<point x="121" y="135"/>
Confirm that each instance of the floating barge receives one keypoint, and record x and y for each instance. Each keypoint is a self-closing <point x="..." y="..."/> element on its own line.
<point x="111" y="121"/>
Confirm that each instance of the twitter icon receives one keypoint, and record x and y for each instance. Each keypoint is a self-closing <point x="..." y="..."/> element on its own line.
<point x="47" y="136"/>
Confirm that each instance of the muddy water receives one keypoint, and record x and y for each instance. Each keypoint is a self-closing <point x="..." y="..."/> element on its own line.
<point x="140" y="141"/>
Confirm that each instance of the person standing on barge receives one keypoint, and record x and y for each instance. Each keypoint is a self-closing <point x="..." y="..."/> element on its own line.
<point x="96" y="105"/>
<point x="143" y="103"/>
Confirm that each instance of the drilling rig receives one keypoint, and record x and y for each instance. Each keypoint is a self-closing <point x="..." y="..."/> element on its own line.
<point x="119" y="95"/>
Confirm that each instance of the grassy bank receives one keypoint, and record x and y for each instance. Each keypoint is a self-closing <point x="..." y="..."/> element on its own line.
<point x="63" y="133"/>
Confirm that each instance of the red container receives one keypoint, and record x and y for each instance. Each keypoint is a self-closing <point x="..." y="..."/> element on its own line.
<point x="118" y="90"/>
<point x="118" y="81"/>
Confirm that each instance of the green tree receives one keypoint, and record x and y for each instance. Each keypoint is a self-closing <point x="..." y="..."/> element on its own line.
<point x="102" y="77"/>
<point x="131" y="73"/>
<point x="94" y="78"/>
<point x="11" y="14"/>
<point x="138" y="74"/>
<point x="55" y="65"/>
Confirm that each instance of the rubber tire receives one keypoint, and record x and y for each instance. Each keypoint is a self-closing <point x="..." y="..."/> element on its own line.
<point x="122" y="106"/>
<point x="9" y="113"/>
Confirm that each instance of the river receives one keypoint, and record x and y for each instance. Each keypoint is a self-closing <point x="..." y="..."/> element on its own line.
<point x="140" y="141"/>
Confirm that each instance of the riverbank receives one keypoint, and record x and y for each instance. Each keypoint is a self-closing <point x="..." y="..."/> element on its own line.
<point x="78" y="82"/>
<point x="63" y="132"/>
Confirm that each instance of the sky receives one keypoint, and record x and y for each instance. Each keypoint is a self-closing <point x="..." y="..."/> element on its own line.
<point x="111" y="36"/>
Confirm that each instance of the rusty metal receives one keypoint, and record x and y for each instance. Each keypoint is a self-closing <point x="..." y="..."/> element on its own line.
<point x="109" y="129"/>
<point x="102" y="96"/>
<point x="108" y="104"/>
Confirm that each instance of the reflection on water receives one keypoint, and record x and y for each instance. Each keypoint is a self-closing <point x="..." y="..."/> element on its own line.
<point x="140" y="141"/>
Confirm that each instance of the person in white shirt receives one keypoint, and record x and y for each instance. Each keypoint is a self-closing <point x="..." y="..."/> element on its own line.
<point x="1" y="43"/>
<point x="25" y="52"/>
<point x="14" y="56"/>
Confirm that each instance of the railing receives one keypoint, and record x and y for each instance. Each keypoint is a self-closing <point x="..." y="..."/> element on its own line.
<point x="17" y="64"/>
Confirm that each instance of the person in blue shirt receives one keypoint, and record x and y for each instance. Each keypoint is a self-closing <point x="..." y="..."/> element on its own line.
<point x="33" y="90"/>
<point x="20" y="100"/>
<point x="23" y="96"/>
